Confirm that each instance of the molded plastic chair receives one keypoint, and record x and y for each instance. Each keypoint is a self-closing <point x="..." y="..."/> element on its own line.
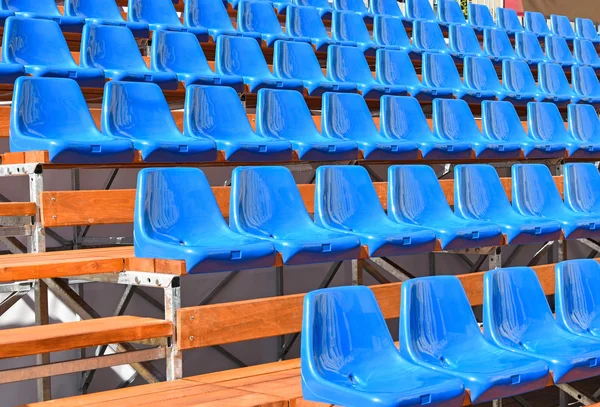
<point x="536" y="23"/>
<point x="479" y="195"/>
<point x="557" y="50"/>
<point x="347" y="117"/>
<point x="43" y="9"/>
<point x="416" y="197"/>
<point x="114" y="50"/>
<point x="500" y="121"/>
<point x="419" y="10"/>
<point x="508" y="20"/>
<point x="216" y="112"/>
<point x="266" y="203"/>
<point x="497" y="44"/>
<point x="323" y="7"/>
<point x="259" y="17"/>
<point x="161" y="15"/>
<point x="389" y="32"/>
<point x="402" y="117"/>
<point x="529" y="49"/>
<point x="554" y="83"/>
<point x="577" y="281"/>
<point x="180" y="53"/>
<point x="279" y="6"/>
<point x="212" y="15"/>
<point x="438" y="331"/>
<point x="177" y="217"/>
<point x="386" y="8"/>
<point x="350" y="27"/>
<point x="585" y="84"/>
<point x="586" y="29"/>
<point x="306" y="22"/>
<point x="545" y="123"/>
<point x="584" y="124"/>
<point x="534" y="193"/>
<point x="356" y="6"/>
<point x="585" y="53"/>
<point x="480" y="75"/>
<point x="243" y="56"/>
<point x="60" y="122"/>
<point x="453" y="119"/>
<point x="39" y="45"/>
<point x="296" y="60"/>
<point x="283" y="114"/>
<point x="427" y="37"/>
<point x="395" y="68"/>
<point x="348" y="64"/>
<point x="480" y="17"/>
<point x="463" y="41"/>
<point x="581" y="191"/>
<point x="517" y="318"/>
<point x="345" y="336"/>
<point x="346" y="202"/>
<point x="518" y="80"/>
<point x="562" y="27"/>
<point x="450" y="12"/>
<point x="103" y="12"/>
<point x="139" y="112"/>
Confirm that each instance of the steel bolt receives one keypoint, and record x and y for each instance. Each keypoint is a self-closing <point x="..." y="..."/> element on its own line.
<point x="191" y="337"/>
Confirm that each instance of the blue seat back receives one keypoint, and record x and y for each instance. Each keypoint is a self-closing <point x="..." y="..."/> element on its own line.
<point x="153" y="12"/>
<point x="30" y="41"/>
<point x="46" y="7"/>
<point x="585" y="81"/>
<point x="385" y="7"/>
<point x="453" y="120"/>
<point x="496" y="43"/>
<point x="534" y="191"/>
<point x="390" y="31"/>
<point x="240" y="56"/>
<point x="419" y="9"/>
<point x="577" y="285"/>
<point x="349" y="26"/>
<point x="552" y="79"/>
<point x="545" y="122"/>
<point x="478" y="192"/>
<point x="345" y="114"/>
<point x="304" y="22"/>
<point x="585" y="52"/>
<point x="283" y="114"/>
<point x="517" y="77"/>
<point x="439" y="71"/>
<point x="479" y="74"/>
<point x="348" y="64"/>
<point x="427" y="35"/>
<point x="528" y="46"/>
<point x="500" y="121"/>
<point x="463" y="40"/>
<point x="450" y="12"/>
<point x="396" y="68"/>
<point x="207" y="13"/>
<point x="557" y="50"/>
<point x="296" y="60"/>
<point x="584" y="123"/>
<point x="402" y="116"/>
<point x="582" y="187"/>
<point x="480" y="15"/>
<point x="110" y="47"/>
<point x="257" y="16"/>
<point x="536" y="23"/>
<point x="586" y="28"/>
<point x="358" y="6"/>
<point x="314" y="3"/>
<point x="562" y="26"/>
<point x="106" y="9"/>
<point x="508" y="19"/>
<point x="179" y="52"/>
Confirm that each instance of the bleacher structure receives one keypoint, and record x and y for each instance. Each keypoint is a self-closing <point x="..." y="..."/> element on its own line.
<point x="486" y="127"/>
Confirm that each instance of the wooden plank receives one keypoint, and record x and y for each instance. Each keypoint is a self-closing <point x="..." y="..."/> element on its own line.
<point x="17" y="208"/>
<point x="33" y="340"/>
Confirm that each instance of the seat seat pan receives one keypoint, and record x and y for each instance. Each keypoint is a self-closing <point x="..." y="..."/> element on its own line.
<point x="321" y="44"/>
<point x="457" y="233"/>
<point x="389" y="149"/>
<point x="201" y="78"/>
<point x="575" y="225"/>
<point x="166" y="80"/>
<point x="325" y="149"/>
<point x="139" y="30"/>
<point x="270" y="39"/>
<point x="583" y="149"/>
<point x="255" y="148"/>
<point x="540" y="149"/>
<point x="318" y="87"/>
<point x="216" y="32"/>
<point x="257" y="83"/>
<point x="428" y="93"/>
<point x="521" y="229"/>
<point x="434" y="148"/>
<point x="375" y="90"/>
<point x="200" y="32"/>
<point x="66" y="23"/>
<point x="85" y="77"/>
<point x="495" y="149"/>
<point x="176" y="148"/>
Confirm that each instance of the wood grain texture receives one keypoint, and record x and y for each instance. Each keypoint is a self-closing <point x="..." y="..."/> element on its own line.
<point x="17" y="208"/>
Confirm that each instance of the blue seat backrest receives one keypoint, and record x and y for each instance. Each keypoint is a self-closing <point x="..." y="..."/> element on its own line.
<point x="314" y="3"/>
<point x="390" y="31"/>
<point x="110" y="47"/>
<point x="240" y="56"/>
<point x="517" y="77"/>
<point x="534" y="191"/>
<point x="258" y="16"/>
<point x="545" y="122"/>
<point x="386" y="7"/>
<point x="558" y="50"/>
<point x="47" y="7"/>
<point x="497" y="43"/>
<point x="439" y="71"/>
<point x="582" y="188"/>
<point x="428" y="35"/>
<point x="350" y="5"/>
<point x="562" y="26"/>
<point x="508" y="19"/>
<point x="586" y="28"/>
<point x="153" y="12"/>
<point x="584" y="123"/>
<point x="462" y="39"/>
<point x="500" y="121"/>
<point x="296" y="60"/>
<point x="453" y="119"/>
<point x="585" y="52"/>
<point x="345" y="113"/>
<point x="528" y="46"/>
<point x="402" y="116"/>
<point x="478" y="191"/>
<point x="207" y="13"/>
<point x="479" y="74"/>
<point x="577" y="285"/>
<point x="480" y="15"/>
<point x="349" y="26"/>
<point x="552" y="79"/>
<point x="395" y="67"/>
<point x="174" y="51"/>
<point x="106" y="9"/>
<point x="536" y="23"/>
<point x="348" y="64"/>
<point x="585" y="80"/>
<point x="283" y="112"/>
<point x="419" y="9"/>
<point x="449" y="11"/>
<point x="304" y="22"/>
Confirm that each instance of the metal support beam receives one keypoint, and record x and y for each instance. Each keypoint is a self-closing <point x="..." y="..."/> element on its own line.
<point x="11" y="300"/>
<point x="513" y="255"/>
<point x="581" y="397"/>
<point x="562" y="250"/>
<point x="390" y="267"/>
<point x="497" y="403"/>
<point x="546" y="248"/>
<point x="495" y="258"/>
<point x="218" y="288"/>
<point x="357" y="272"/>
<point x="41" y="318"/>
<point x="279" y="293"/>
<point x="13" y="244"/>
<point x="478" y="263"/>
<point x="37" y="240"/>
<point x="172" y="305"/>
<point x="373" y="272"/>
<point x="521" y="401"/>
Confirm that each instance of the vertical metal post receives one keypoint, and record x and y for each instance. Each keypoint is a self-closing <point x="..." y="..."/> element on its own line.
<point x="495" y="258"/>
<point x="497" y="403"/>
<point x="172" y="305"/>
<point x="279" y="293"/>
<point x="75" y="186"/>
<point x="562" y="250"/>
<point x="41" y="318"/>
<point x="431" y="264"/>
<point x="357" y="272"/>
<point x="37" y="241"/>
<point x="563" y="398"/>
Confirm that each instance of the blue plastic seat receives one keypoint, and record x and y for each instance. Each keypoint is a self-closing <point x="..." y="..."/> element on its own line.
<point x="402" y="117"/>
<point x="554" y="83"/>
<point x="356" y="6"/>
<point x="586" y="29"/>
<point x="557" y="51"/>
<point x="297" y="60"/>
<point x="395" y="68"/>
<point x="180" y="53"/>
<point x="212" y="15"/>
<point x="114" y="50"/>
<point x="585" y="84"/>
<point x="216" y="112"/>
<point x="40" y="47"/>
<point x="479" y="75"/>
<point x="479" y="195"/>
<point x="161" y="15"/>
<point x="4" y="14"/>
<point x="501" y="121"/>
<point x="347" y="117"/>
<point x="266" y="203"/>
<point x="497" y="44"/>
<point x="508" y="20"/>
<point x="177" y="217"/>
<point x="428" y="37"/>
<point x="305" y="22"/>
<point x="323" y="7"/>
<point x="43" y="9"/>
<point x="581" y="181"/>
<point x="518" y="80"/>
<point x="348" y="64"/>
<point x="584" y="52"/>
<point x="450" y="12"/>
<point x="386" y="8"/>
<point x="545" y="123"/>
<point x="60" y="122"/>
<point x="104" y="12"/>
<point x="463" y="41"/>
<point x="584" y="124"/>
<point x="578" y="281"/>
<point x="241" y="56"/>
<point x="349" y="27"/>
<point x="528" y="48"/>
<point x="139" y="112"/>
<point x="454" y="120"/>
<point x="438" y="331"/>
<point x="389" y="32"/>
<point x="536" y="23"/>
<point x="517" y="318"/>
<point x="416" y="197"/>
<point x="439" y="71"/>
<point x="534" y="193"/>
<point x="258" y="16"/>
<point x="419" y="10"/>
<point x="345" y="336"/>
<point x="480" y="17"/>
<point x="346" y="202"/>
<point x="283" y="114"/>
<point x="562" y="27"/>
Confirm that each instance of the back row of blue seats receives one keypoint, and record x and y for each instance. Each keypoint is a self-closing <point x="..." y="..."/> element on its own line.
<point x="349" y="358"/>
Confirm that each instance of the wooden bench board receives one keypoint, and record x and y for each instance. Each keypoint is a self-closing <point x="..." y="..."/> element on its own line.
<point x="17" y="208"/>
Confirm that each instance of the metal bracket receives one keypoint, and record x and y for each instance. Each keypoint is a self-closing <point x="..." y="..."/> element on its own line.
<point x="135" y="278"/>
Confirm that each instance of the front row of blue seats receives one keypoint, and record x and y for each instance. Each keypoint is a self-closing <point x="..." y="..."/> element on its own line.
<point x="349" y="358"/>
